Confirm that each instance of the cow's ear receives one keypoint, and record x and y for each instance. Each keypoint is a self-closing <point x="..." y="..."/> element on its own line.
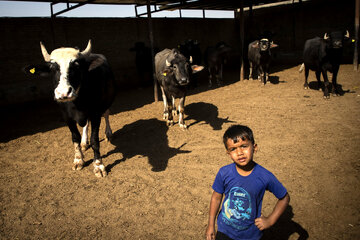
<point x="42" y="70"/>
<point x="273" y="45"/>
<point x="166" y="72"/>
<point x="196" y="68"/>
<point x="96" y="62"/>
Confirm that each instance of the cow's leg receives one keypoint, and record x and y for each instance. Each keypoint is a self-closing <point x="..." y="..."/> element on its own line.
<point x="261" y="75"/>
<point x="318" y="74"/>
<point x="108" y="131"/>
<point x="76" y="138"/>
<point x="166" y="112"/>
<point x="181" y="113"/>
<point x="170" y="111"/>
<point x="335" y="91"/>
<point x="326" y="84"/>
<point x="220" y="75"/>
<point x="84" y="138"/>
<point x="174" y="112"/>
<point x="210" y="77"/>
<point x="251" y="71"/>
<point x="99" y="168"/>
<point x="306" y="84"/>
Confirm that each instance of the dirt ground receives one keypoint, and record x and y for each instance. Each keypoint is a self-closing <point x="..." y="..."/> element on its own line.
<point x="159" y="181"/>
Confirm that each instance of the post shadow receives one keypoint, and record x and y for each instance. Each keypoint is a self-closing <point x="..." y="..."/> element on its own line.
<point x="285" y="227"/>
<point x="147" y="138"/>
<point x="207" y="113"/>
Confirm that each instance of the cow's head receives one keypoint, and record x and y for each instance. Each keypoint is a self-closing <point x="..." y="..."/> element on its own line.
<point x="264" y="45"/>
<point x="180" y="67"/>
<point x="336" y="39"/>
<point x="66" y="64"/>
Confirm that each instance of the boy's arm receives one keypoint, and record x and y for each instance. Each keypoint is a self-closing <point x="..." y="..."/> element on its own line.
<point x="214" y="209"/>
<point x="265" y="222"/>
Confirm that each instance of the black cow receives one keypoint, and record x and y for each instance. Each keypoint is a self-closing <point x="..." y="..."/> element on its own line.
<point x="173" y="75"/>
<point x="259" y="56"/>
<point x="191" y="49"/>
<point x="143" y="63"/>
<point x="215" y="58"/>
<point x="84" y="89"/>
<point x="322" y="55"/>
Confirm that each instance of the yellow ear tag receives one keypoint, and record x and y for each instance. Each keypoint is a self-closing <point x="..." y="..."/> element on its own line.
<point x="164" y="74"/>
<point x="32" y="70"/>
<point x="353" y="40"/>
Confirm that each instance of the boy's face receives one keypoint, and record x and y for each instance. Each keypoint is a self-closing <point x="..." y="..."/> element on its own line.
<point x="241" y="151"/>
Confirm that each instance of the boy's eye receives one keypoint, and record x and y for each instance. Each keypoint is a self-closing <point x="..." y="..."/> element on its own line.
<point x="232" y="149"/>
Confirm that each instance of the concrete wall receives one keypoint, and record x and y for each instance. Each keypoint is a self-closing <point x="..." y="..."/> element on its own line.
<point x="19" y="44"/>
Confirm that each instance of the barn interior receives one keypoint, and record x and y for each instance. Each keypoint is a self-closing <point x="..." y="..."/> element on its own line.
<point x="289" y="22"/>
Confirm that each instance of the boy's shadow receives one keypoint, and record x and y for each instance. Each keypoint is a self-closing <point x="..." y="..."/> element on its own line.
<point x="146" y="138"/>
<point x="205" y="112"/>
<point x="285" y="227"/>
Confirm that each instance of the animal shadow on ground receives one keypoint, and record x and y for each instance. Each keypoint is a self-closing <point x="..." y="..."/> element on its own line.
<point x="315" y="86"/>
<point x="206" y="113"/>
<point x="146" y="138"/>
<point x="285" y="227"/>
<point x="275" y="80"/>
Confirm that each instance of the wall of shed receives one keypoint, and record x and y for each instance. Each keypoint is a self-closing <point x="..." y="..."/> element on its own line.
<point x="19" y="44"/>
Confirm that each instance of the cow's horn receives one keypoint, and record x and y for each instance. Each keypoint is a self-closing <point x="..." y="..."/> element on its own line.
<point x="167" y="63"/>
<point x="326" y="36"/>
<point x="87" y="51"/>
<point x="191" y="60"/>
<point x="44" y="52"/>
<point x="347" y="35"/>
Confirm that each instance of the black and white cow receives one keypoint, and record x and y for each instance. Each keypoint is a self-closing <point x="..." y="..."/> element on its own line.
<point x="322" y="55"/>
<point x="173" y="72"/>
<point x="215" y="58"/>
<point x="84" y="90"/>
<point x="259" y="56"/>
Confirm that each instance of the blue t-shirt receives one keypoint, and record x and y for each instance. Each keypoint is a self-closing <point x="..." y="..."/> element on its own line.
<point x="243" y="199"/>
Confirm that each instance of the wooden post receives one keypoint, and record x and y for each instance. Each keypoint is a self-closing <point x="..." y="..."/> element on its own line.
<point x="242" y="41"/>
<point x="151" y="37"/>
<point x="356" y="54"/>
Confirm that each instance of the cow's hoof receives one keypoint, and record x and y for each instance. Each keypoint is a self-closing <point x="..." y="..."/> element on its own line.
<point x="326" y="97"/>
<point x="306" y="87"/>
<point x="99" y="169"/>
<point x="183" y="126"/>
<point x="170" y="122"/>
<point x="78" y="164"/>
<point x="166" y="116"/>
<point x="174" y="113"/>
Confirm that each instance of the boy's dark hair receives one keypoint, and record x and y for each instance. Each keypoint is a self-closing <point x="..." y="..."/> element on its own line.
<point x="238" y="131"/>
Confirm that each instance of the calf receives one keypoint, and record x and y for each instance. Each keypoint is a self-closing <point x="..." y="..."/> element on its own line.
<point x="259" y="56"/>
<point x="173" y="75"/>
<point x="322" y="55"/>
<point x="215" y="58"/>
<point x="84" y="90"/>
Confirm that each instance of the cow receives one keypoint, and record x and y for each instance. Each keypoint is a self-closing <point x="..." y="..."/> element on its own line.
<point x="191" y="48"/>
<point x="322" y="55"/>
<point x="215" y="58"/>
<point x="259" y="56"/>
<point x="84" y="90"/>
<point x="173" y="71"/>
<point x="143" y="63"/>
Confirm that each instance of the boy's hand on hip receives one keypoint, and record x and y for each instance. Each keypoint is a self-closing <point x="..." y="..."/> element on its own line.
<point x="262" y="223"/>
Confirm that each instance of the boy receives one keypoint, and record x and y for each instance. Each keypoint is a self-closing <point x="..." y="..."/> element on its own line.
<point x="243" y="183"/>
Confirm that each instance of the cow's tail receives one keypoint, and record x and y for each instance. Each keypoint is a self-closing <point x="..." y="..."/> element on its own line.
<point x="301" y="68"/>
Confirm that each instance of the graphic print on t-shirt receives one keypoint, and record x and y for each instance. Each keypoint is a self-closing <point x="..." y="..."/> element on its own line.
<point x="237" y="209"/>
